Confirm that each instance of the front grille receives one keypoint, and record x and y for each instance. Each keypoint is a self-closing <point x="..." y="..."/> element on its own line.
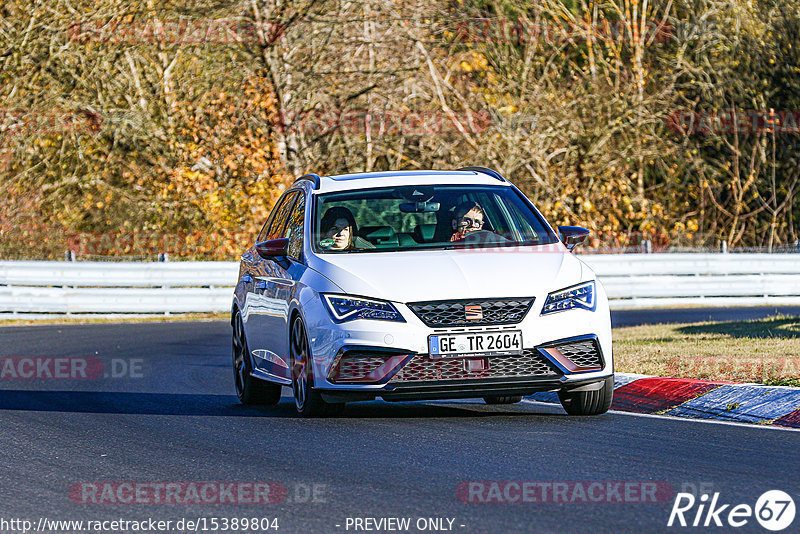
<point x="355" y="368"/>
<point x="453" y="312"/>
<point x="529" y="364"/>
<point x="582" y="353"/>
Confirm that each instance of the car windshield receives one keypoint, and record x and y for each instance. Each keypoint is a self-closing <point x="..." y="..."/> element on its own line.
<point x="426" y="217"/>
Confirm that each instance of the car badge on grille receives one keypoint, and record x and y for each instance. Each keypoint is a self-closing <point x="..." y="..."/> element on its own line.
<point x="473" y="313"/>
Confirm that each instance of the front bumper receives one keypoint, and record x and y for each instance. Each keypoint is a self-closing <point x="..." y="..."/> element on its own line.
<point x="462" y="389"/>
<point x="390" y="360"/>
<point x="363" y="374"/>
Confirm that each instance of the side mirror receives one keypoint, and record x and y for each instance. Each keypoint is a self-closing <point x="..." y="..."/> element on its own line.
<point x="274" y="248"/>
<point x="572" y="236"/>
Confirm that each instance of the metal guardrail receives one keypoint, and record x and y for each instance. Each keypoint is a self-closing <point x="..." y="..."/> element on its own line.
<point x="631" y="280"/>
<point x="106" y="288"/>
<point x="669" y="280"/>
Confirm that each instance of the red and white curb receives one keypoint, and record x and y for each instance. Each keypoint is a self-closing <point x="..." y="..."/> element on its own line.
<point x="702" y="399"/>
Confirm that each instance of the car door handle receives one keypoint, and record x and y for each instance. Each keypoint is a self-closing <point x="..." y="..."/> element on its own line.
<point x="277" y="281"/>
<point x="247" y="279"/>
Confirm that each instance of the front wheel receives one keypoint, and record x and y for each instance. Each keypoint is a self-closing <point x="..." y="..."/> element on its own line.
<point x="309" y="402"/>
<point x="588" y="402"/>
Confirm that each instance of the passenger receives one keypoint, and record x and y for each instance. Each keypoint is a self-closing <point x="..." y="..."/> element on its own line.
<point x="467" y="217"/>
<point x="340" y="231"/>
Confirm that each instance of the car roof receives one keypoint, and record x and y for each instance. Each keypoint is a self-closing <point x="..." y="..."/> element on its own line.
<point x="366" y="180"/>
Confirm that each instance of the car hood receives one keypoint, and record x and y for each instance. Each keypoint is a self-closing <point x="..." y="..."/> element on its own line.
<point x="411" y="276"/>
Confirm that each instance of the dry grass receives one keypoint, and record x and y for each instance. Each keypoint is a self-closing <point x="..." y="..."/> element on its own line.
<point x="764" y="351"/>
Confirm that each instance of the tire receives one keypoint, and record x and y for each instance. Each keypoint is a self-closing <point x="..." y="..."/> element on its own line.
<point x="588" y="402"/>
<point x="307" y="400"/>
<point x="249" y="389"/>
<point x="502" y="399"/>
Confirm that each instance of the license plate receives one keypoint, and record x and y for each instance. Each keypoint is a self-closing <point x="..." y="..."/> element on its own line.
<point x="467" y="344"/>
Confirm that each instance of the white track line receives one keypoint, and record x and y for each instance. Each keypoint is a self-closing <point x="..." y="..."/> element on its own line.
<point x="688" y="419"/>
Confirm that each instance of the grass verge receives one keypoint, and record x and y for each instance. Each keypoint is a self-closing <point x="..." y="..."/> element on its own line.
<point x="763" y="351"/>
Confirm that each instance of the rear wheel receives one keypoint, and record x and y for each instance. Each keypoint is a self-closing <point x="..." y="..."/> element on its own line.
<point x="309" y="402"/>
<point x="249" y="389"/>
<point x="502" y="399"/>
<point x="588" y="402"/>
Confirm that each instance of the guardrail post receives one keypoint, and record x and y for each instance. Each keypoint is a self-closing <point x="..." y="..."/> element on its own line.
<point x="163" y="257"/>
<point x="69" y="255"/>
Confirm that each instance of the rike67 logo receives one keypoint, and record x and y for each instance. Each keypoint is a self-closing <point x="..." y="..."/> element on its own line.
<point x="774" y="510"/>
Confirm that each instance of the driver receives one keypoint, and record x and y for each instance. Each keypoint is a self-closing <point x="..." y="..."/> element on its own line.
<point x="467" y="217"/>
<point x="339" y="230"/>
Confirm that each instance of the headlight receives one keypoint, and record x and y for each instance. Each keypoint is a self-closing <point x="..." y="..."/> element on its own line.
<point x="580" y="296"/>
<point x="344" y="308"/>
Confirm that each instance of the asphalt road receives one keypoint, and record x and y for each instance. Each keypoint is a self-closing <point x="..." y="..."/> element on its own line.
<point x="175" y="418"/>
<point x="634" y="317"/>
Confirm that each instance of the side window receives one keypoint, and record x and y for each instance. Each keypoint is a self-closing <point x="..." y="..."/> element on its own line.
<point x="295" y="228"/>
<point x="262" y="235"/>
<point x="526" y="230"/>
<point x="277" y="227"/>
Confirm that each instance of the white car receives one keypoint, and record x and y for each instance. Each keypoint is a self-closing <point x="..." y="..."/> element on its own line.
<point x="417" y="285"/>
